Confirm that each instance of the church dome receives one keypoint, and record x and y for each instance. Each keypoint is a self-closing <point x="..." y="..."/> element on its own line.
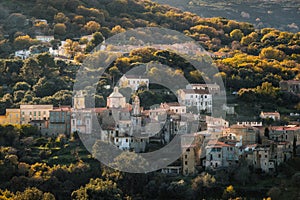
<point x="116" y="93"/>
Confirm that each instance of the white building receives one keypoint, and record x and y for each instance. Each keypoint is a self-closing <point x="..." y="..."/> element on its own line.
<point x="116" y="99"/>
<point x="270" y="115"/>
<point x="131" y="143"/>
<point x="213" y="89"/>
<point x="174" y="107"/>
<point x="44" y="38"/>
<point x="133" y="81"/>
<point x="256" y="124"/>
<point x="219" y="155"/>
<point x="81" y="121"/>
<point x="262" y="159"/>
<point x="23" y="54"/>
<point x="201" y="99"/>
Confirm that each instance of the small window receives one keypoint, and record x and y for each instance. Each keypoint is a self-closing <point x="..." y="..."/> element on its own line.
<point x="185" y="162"/>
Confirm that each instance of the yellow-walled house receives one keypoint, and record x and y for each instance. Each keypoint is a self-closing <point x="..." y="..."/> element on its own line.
<point x="12" y="116"/>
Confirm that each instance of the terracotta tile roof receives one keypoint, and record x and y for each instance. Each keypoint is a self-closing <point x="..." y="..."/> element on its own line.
<point x="215" y="143"/>
<point x="282" y="128"/>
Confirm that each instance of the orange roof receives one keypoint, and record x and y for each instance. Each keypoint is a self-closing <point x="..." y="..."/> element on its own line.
<point x="215" y="143"/>
<point x="282" y="128"/>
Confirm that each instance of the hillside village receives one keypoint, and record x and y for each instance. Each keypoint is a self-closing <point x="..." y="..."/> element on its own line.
<point x="216" y="143"/>
<point x="233" y="124"/>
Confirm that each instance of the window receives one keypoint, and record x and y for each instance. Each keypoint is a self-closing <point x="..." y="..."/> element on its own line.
<point x="185" y="162"/>
<point x="39" y="113"/>
<point x="219" y="155"/>
<point x="34" y="113"/>
<point x="185" y="156"/>
<point x="126" y="140"/>
<point x="266" y="156"/>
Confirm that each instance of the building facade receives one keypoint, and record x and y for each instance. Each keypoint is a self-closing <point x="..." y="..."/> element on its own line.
<point x="60" y="121"/>
<point x="292" y="86"/>
<point x="12" y="116"/>
<point x="133" y="81"/>
<point x="200" y="99"/>
<point x="35" y="112"/>
<point x="270" y="115"/>
<point x="213" y="89"/>
<point x="116" y="99"/>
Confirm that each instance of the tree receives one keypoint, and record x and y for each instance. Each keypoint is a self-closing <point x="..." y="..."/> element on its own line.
<point x="248" y="39"/>
<point x="229" y="192"/>
<point x="60" y="29"/>
<point x="267" y="133"/>
<point x="92" y="27"/>
<point x="272" y="53"/>
<point x="114" y="73"/>
<point x="274" y="193"/>
<point x="95" y="41"/>
<point x="117" y="29"/>
<point x="236" y="34"/>
<point x="19" y="95"/>
<point x="201" y="182"/>
<point x="33" y="194"/>
<point x="31" y="71"/>
<point x="24" y="42"/>
<point x="242" y="174"/>
<point x="72" y="48"/>
<point x="79" y="19"/>
<point x="15" y="20"/>
<point x="98" y="189"/>
<point x="295" y="146"/>
<point x="60" y="18"/>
